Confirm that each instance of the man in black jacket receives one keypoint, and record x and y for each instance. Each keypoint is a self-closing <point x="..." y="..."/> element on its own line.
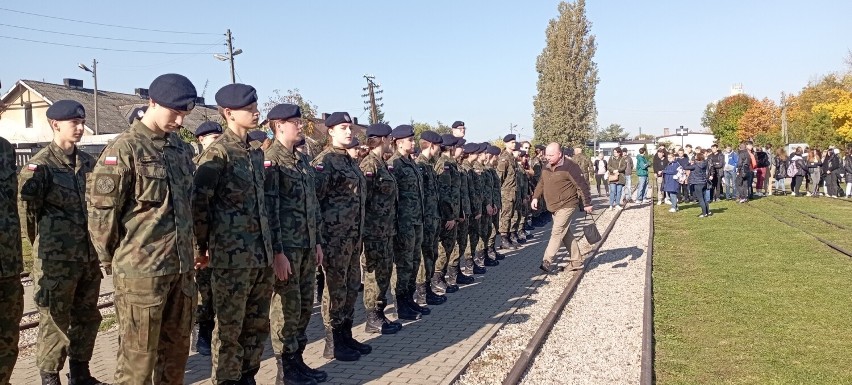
<point x="660" y="162"/>
<point x="745" y="170"/>
<point x="683" y="159"/>
<point x="715" y="170"/>
<point x="829" y="169"/>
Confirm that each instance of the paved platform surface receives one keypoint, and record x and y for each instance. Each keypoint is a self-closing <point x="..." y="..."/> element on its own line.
<point x="433" y="350"/>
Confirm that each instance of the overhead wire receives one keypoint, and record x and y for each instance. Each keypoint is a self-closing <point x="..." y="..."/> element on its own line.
<point x="101" y="48"/>
<point x="106" y="25"/>
<point x="103" y="37"/>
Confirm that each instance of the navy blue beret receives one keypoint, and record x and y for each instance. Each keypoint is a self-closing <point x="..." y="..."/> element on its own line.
<point x="66" y="110"/>
<point x="431" y="137"/>
<point x="284" y="111"/>
<point x="460" y="142"/>
<point x="402" y="132"/>
<point x="539" y="147"/>
<point x="378" y="129"/>
<point x="354" y="143"/>
<point x="482" y="147"/>
<point x="509" y="138"/>
<point x="471" y="148"/>
<point x="522" y="153"/>
<point x="208" y="128"/>
<point x="458" y="123"/>
<point x="257" y="135"/>
<point x="137" y="113"/>
<point x="493" y="150"/>
<point x="337" y="118"/>
<point x="518" y="146"/>
<point x="448" y="140"/>
<point x="236" y="96"/>
<point x="173" y="91"/>
<point x="300" y="143"/>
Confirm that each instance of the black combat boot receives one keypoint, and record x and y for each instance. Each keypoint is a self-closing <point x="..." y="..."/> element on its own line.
<point x="452" y="274"/>
<point x="462" y="279"/>
<point x="78" y="374"/>
<point x="506" y="242"/>
<point x="403" y="308"/>
<point x="317" y="375"/>
<point x="517" y="238"/>
<point x="335" y="348"/>
<point x="376" y="324"/>
<point x="434" y="299"/>
<point x="478" y="269"/>
<point x="497" y="256"/>
<point x="49" y="378"/>
<point x="247" y="378"/>
<point x="423" y="310"/>
<point x="289" y="372"/>
<point x="205" y="335"/>
<point x="437" y="282"/>
<point x="487" y="260"/>
<point x="351" y="342"/>
<point x="420" y="294"/>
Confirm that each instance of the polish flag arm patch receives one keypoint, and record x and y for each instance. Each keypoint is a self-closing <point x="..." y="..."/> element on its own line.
<point x="110" y="161"/>
<point x="32" y="167"/>
<point x="319" y="167"/>
<point x="368" y="173"/>
<point x="267" y="163"/>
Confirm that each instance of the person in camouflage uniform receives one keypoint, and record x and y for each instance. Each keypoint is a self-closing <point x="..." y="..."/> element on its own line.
<point x="206" y="133"/>
<point x="480" y="239"/>
<point x="11" y="263"/>
<point x="340" y="186"/>
<point x="379" y="230"/>
<point x="583" y="161"/>
<point x="494" y="221"/>
<point x="463" y="226"/>
<point x="237" y="237"/>
<point x="449" y="206"/>
<point x="408" y="242"/>
<point x="428" y="278"/>
<point x="66" y="271"/>
<point x="290" y="177"/>
<point x="139" y="203"/>
<point x="536" y="161"/>
<point x="507" y="171"/>
<point x="474" y="185"/>
<point x="523" y="208"/>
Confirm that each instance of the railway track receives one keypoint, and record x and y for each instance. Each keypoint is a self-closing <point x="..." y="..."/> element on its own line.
<point x="835" y="224"/>
<point x="828" y="243"/>
<point x="646" y="374"/>
<point x="519" y="368"/>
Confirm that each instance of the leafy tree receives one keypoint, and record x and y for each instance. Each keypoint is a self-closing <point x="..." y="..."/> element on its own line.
<point x="564" y="108"/>
<point x="840" y="111"/>
<point x="644" y="137"/>
<point x="762" y="117"/>
<point x="439" y="128"/>
<point x="381" y="115"/>
<point x="722" y="117"/>
<point x="806" y="122"/>
<point x="613" y="133"/>
<point x="309" y="110"/>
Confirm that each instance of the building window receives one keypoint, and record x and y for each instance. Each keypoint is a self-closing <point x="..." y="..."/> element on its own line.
<point x="28" y="115"/>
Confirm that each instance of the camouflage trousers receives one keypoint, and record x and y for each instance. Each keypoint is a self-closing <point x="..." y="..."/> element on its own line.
<point x="204" y="312"/>
<point x="461" y="239"/>
<point x="479" y="240"/>
<point x="293" y="302"/>
<point x="493" y="225"/>
<point x="519" y="217"/>
<point x="449" y="251"/>
<point x="507" y="215"/>
<point x="154" y="324"/>
<point x="342" y="273"/>
<point x="66" y="293"/>
<point x="12" y="297"/>
<point x="407" y="247"/>
<point x="377" y="264"/>
<point x="241" y="298"/>
<point x="428" y="250"/>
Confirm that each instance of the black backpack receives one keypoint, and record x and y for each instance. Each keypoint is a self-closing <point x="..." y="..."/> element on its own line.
<point x="762" y="159"/>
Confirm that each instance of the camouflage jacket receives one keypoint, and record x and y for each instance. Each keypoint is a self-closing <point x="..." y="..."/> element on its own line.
<point x="431" y="214"/>
<point x="484" y="186"/>
<point x="11" y="263"/>
<point x="583" y="161"/>
<point x="229" y="213"/>
<point x="496" y="187"/>
<point x="139" y="204"/>
<point x="474" y="189"/>
<point x="464" y="191"/>
<point x="291" y="177"/>
<point x="381" y="195"/>
<point x="340" y="190"/>
<point x="523" y="182"/>
<point x="535" y="165"/>
<point x="409" y="210"/>
<point x="53" y="196"/>
<point x="449" y="188"/>
<point x="508" y="173"/>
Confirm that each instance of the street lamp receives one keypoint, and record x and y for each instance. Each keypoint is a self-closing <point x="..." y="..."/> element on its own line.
<point x="229" y="57"/>
<point x="682" y="132"/>
<point x="94" y="71"/>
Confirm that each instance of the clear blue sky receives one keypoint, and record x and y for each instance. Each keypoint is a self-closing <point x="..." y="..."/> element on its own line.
<point x="660" y="62"/>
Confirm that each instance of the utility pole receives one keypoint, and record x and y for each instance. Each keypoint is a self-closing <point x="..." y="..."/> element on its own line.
<point x="94" y="71"/>
<point x="372" y="89"/>
<point x="231" y="54"/>
<point x="512" y="128"/>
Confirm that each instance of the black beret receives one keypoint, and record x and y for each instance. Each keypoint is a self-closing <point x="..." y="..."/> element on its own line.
<point x="509" y="138"/>
<point x="137" y="113"/>
<point x="284" y="111"/>
<point x="354" y="143"/>
<point x="482" y="147"/>
<point x="66" y="110"/>
<point x="522" y="154"/>
<point x="173" y="91"/>
<point x="236" y="96"/>
<point x="448" y="140"/>
<point x="493" y="150"/>
<point x="431" y="137"/>
<point x="337" y="118"/>
<point x="539" y="147"/>
<point x="208" y="128"/>
<point x="378" y="129"/>
<point x="470" y="148"/>
<point x="402" y="132"/>
<point x="458" y="123"/>
<point x="517" y="147"/>
<point x="460" y="142"/>
<point x="257" y="135"/>
<point x="300" y="143"/>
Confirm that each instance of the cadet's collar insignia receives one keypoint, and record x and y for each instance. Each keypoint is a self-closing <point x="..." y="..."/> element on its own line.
<point x="110" y="161"/>
<point x="368" y="173"/>
<point x="267" y="163"/>
<point x="104" y="184"/>
<point x="32" y="167"/>
<point x="319" y="167"/>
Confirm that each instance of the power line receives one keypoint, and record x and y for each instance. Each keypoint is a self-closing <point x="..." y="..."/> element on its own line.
<point x="102" y="37"/>
<point x="100" y="48"/>
<point x="105" y="25"/>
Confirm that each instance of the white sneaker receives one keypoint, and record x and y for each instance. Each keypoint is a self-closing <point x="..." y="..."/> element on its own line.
<point x="660" y="203"/>
<point x="619" y="207"/>
<point x="611" y="208"/>
<point x="672" y="210"/>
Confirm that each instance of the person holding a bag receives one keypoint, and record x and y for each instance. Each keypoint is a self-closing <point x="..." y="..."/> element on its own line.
<point x="565" y="190"/>
<point x="617" y="169"/>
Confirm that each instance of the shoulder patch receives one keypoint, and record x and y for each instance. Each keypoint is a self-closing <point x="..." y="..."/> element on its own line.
<point x="32" y="167"/>
<point x="110" y="160"/>
<point x="390" y="167"/>
<point x="319" y="167"/>
<point x="368" y="173"/>
<point x="267" y="163"/>
<point x="446" y="168"/>
<point x="105" y="184"/>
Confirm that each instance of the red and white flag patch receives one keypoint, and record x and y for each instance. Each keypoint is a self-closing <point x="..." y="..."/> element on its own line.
<point x="267" y="163"/>
<point x="319" y="167"/>
<point x="368" y="173"/>
<point x="32" y="167"/>
<point x="110" y="160"/>
<point x="446" y="168"/>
